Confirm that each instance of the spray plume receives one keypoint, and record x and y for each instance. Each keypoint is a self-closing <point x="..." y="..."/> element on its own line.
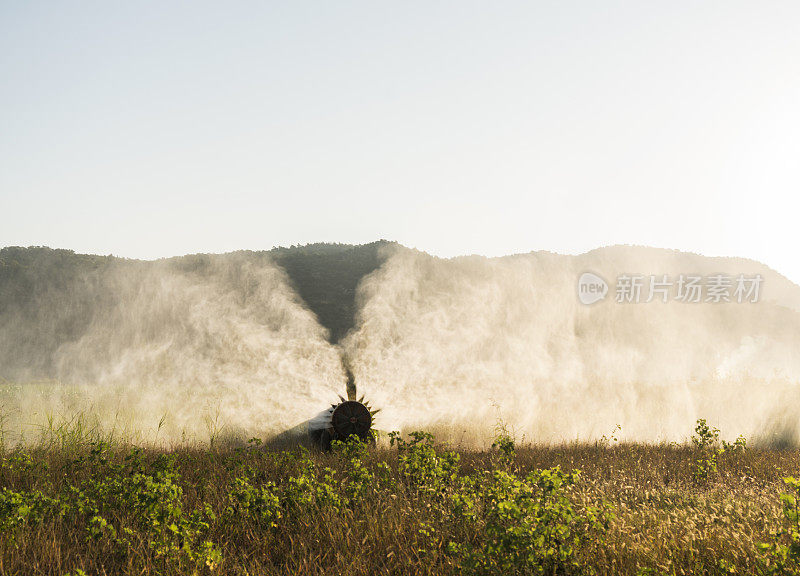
<point x="465" y="343"/>
<point x="181" y="348"/>
<point x="184" y="347"/>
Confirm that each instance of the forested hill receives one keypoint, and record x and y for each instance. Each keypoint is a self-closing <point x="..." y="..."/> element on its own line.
<point x="326" y="277"/>
<point x="73" y="285"/>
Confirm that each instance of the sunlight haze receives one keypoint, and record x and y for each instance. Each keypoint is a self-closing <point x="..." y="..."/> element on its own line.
<point x="155" y="129"/>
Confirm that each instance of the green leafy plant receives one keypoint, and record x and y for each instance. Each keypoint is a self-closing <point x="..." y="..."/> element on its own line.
<point x="22" y="509"/>
<point x="422" y="467"/>
<point x="504" y="444"/>
<point x="359" y="480"/>
<point x="738" y="446"/>
<point x="782" y="555"/>
<point x="153" y="501"/>
<point x="259" y="503"/>
<point x="706" y="441"/>
<point x="529" y="525"/>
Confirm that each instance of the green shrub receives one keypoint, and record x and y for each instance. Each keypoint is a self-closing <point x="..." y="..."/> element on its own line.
<point x="359" y="480"/>
<point x="782" y="555"/>
<point x="421" y="466"/>
<point x="259" y="503"/>
<point x="528" y="525"/>
<point x="706" y="441"/>
<point x="504" y="444"/>
<point x="151" y="501"/>
<point x="23" y="509"/>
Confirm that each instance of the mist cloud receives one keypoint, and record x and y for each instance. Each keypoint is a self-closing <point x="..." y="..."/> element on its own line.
<point x="465" y="343"/>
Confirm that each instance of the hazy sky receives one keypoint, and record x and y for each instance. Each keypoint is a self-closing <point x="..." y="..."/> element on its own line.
<point x="149" y="129"/>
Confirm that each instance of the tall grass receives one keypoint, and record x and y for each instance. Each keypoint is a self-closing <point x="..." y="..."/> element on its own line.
<point x="82" y="500"/>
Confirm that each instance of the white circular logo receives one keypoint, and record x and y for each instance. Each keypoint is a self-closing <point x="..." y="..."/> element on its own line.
<point x="591" y="288"/>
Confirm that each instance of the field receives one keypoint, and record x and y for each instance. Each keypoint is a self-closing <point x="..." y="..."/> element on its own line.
<point x="74" y="505"/>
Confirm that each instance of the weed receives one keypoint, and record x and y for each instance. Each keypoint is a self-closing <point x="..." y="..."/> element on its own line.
<point x="93" y="504"/>
<point x="706" y="441"/>
<point x="782" y="555"/>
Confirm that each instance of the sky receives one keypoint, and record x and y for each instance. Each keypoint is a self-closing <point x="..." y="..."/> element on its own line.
<point x="152" y="129"/>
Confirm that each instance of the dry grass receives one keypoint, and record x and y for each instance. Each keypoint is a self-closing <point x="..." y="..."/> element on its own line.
<point x="665" y="522"/>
